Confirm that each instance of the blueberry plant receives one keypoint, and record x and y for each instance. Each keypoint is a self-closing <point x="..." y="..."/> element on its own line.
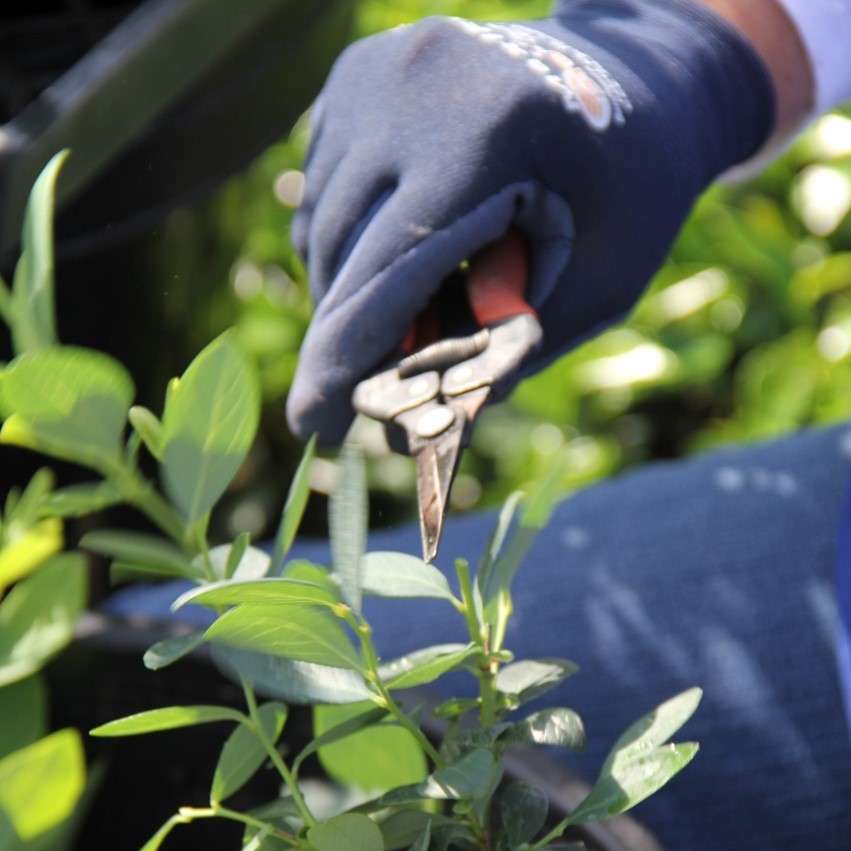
<point x="296" y="631"/>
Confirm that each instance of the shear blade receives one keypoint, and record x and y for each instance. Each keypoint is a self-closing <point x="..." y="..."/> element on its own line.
<point x="436" y="465"/>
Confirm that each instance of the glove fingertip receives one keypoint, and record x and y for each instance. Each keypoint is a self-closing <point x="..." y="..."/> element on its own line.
<point x="309" y="414"/>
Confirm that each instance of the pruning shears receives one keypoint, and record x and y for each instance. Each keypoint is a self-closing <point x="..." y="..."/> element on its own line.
<point x="436" y="393"/>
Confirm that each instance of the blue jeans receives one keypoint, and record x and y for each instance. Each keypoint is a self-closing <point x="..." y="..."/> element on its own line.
<point x="716" y="571"/>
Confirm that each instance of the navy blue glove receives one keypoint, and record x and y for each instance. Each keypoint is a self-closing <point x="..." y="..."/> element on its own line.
<point x="592" y="131"/>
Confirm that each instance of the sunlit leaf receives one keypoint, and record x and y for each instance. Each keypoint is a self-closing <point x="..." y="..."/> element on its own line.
<point x="209" y="423"/>
<point x="32" y="308"/>
<point x="169" y="650"/>
<point x="66" y="401"/>
<point x="243" y="753"/>
<point x="41" y="783"/>
<point x="530" y="678"/>
<point x="138" y="548"/>
<point x="386" y="574"/>
<point x="236" y="553"/>
<point x="347" y="516"/>
<point x="292" y="681"/>
<point x="38" y="615"/>
<point x="375" y="758"/>
<point x="149" y="429"/>
<point x="259" y="591"/>
<point x="561" y="727"/>
<point x="351" y="831"/>
<point x="167" y="718"/>
<point x="303" y="633"/>
<point x="25" y="552"/>
<point x="358" y="719"/>
<point x="253" y="563"/>
<point x="426" y="665"/>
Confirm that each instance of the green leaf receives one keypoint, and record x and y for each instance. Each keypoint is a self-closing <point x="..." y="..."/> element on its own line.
<point x="408" y="826"/>
<point x="497" y="539"/>
<point x="146" y="551"/>
<point x="654" y="728"/>
<point x="304" y="633"/>
<point x="236" y="552"/>
<point x="68" y="402"/>
<point x="348" y="513"/>
<point x="24" y="508"/>
<point x="386" y="574"/>
<point x="23" y="714"/>
<point x="377" y="757"/>
<point x="41" y="783"/>
<point x="561" y="727"/>
<point x="294" y="682"/>
<point x="523" y="809"/>
<point x="294" y="507"/>
<point x="32" y="310"/>
<point x="253" y="563"/>
<point x="169" y="650"/>
<point x="640" y="763"/>
<point x="243" y="753"/>
<point x="167" y="718"/>
<point x="426" y="665"/>
<point x="38" y="615"/>
<point x="26" y="549"/>
<point x="424" y="840"/>
<point x="209" y="423"/>
<point x="258" y="591"/>
<point x="351" y="831"/>
<point x="5" y="303"/>
<point x="149" y="428"/>
<point x="468" y="778"/>
<point x="456" y="707"/>
<point x="530" y="678"/>
<point x="354" y="721"/>
<point x="628" y="784"/>
<point x="80" y="500"/>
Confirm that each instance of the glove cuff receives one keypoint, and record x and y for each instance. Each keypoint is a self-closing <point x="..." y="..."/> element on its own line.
<point x="711" y="85"/>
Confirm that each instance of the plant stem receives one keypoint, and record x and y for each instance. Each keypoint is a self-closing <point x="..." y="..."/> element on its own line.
<point x="270" y="748"/>
<point x="141" y="494"/>
<point x="468" y="606"/>
<point x="217" y="811"/>
<point x="370" y="657"/>
<point x="555" y="833"/>
<point x="199" y="534"/>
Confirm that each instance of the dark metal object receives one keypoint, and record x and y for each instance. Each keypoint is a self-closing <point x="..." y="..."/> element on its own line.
<point x="437" y="413"/>
<point x="178" y="95"/>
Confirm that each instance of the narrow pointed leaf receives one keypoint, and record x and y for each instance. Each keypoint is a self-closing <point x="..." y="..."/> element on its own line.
<point x="497" y="539"/>
<point x="32" y="303"/>
<point x="425" y="666"/>
<point x="351" y="831"/>
<point x="294" y="507"/>
<point x="80" y="500"/>
<point x="258" y="591"/>
<point x="164" y="653"/>
<point x="425" y="839"/>
<point x="386" y="574"/>
<point x="209" y="423"/>
<point x="305" y="633"/>
<point x="167" y="718"/>
<point x="253" y="563"/>
<point x="289" y="680"/>
<point x="235" y="553"/>
<point x="149" y="428"/>
<point x="243" y="753"/>
<point x="142" y="549"/>
<point x="348" y="514"/>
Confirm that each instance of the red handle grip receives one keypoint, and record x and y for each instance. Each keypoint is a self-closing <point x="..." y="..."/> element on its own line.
<point x="496" y="284"/>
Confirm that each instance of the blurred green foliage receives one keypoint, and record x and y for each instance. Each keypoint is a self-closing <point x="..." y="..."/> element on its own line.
<point x="744" y="334"/>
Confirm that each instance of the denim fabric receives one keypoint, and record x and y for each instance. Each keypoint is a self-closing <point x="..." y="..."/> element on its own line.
<point x="716" y="571"/>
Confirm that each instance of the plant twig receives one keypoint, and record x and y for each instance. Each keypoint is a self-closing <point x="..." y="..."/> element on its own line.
<point x="270" y="748"/>
<point x="187" y="814"/>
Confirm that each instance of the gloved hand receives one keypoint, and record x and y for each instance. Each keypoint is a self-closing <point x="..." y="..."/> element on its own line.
<point x="592" y="131"/>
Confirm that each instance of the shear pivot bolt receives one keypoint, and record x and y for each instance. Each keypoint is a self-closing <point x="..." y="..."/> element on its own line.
<point x="418" y="387"/>
<point x="435" y="421"/>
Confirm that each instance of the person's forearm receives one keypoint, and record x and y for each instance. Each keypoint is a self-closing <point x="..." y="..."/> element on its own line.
<point x="775" y="38"/>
